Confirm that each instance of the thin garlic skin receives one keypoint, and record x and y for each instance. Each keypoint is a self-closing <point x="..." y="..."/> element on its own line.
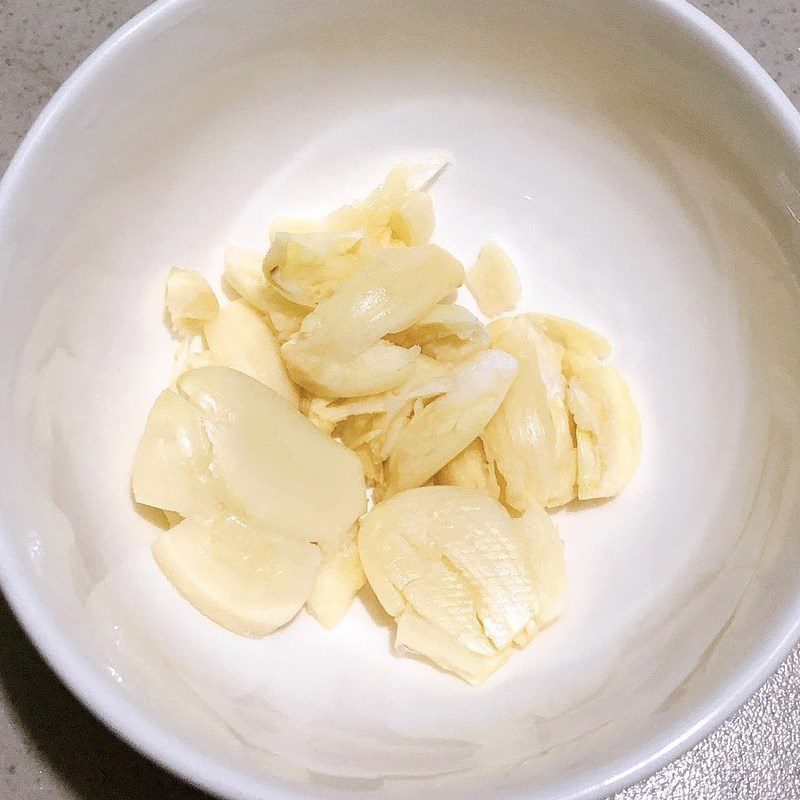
<point x="190" y="301"/>
<point x="460" y="566"/>
<point x="242" y="576"/>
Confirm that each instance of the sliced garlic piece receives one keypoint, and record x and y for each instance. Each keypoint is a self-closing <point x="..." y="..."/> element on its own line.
<point x="239" y="338"/>
<point x="493" y="281"/>
<point x="307" y="268"/>
<point x="565" y="456"/>
<point x="547" y="564"/>
<point x="413" y="221"/>
<point x="370" y="218"/>
<point x="575" y="338"/>
<point x="377" y="369"/>
<point x="608" y="431"/>
<point x="417" y="635"/>
<point x="190" y="300"/>
<point x="339" y="580"/>
<point x="338" y="351"/>
<point x="400" y="288"/>
<point x="470" y="469"/>
<point x="445" y="426"/>
<point x="457" y="560"/>
<point x="273" y="464"/>
<point x="428" y="379"/>
<point x="448" y="333"/>
<point x="243" y="577"/>
<point x="171" y="465"/>
<point x="244" y="273"/>
<point x="529" y="439"/>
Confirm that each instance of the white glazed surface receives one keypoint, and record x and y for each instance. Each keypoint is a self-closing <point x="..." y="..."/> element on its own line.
<point x="632" y="202"/>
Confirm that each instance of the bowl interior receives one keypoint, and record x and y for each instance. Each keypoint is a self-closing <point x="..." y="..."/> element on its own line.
<point x="641" y="186"/>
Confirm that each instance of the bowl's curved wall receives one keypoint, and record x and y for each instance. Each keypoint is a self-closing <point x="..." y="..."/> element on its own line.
<point x="644" y="178"/>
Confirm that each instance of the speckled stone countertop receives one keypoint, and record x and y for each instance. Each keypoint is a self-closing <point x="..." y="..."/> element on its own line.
<point x="53" y="749"/>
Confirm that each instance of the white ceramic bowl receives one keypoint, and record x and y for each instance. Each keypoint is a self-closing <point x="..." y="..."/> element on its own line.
<point x="641" y="168"/>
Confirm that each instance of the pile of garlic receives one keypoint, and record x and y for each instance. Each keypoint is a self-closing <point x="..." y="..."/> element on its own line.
<point x="346" y="367"/>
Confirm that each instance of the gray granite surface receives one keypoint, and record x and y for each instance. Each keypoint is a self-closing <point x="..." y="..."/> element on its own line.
<point x="52" y="749"/>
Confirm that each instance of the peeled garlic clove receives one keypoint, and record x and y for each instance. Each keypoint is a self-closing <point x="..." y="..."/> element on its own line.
<point x="171" y="465"/>
<point x="370" y="217"/>
<point x="339" y="579"/>
<point x="547" y="564"/>
<point x="448" y="333"/>
<point x="309" y="246"/>
<point x="377" y="369"/>
<point x="244" y="273"/>
<point x="190" y="300"/>
<point x="457" y="560"/>
<point x="493" y="281"/>
<point x="449" y="423"/>
<point x="577" y="339"/>
<point x="307" y="280"/>
<point x="413" y="221"/>
<point x="470" y="470"/>
<point x="239" y="338"/>
<point x="397" y="290"/>
<point x="271" y="461"/>
<point x="608" y="431"/>
<point x="529" y="439"/>
<point x="550" y="359"/>
<point x="307" y="268"/>
<point x="417" y="635"/>
<point x="239" y="575"/>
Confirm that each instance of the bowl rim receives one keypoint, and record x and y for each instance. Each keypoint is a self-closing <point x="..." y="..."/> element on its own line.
<point x="126" y="720"/>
